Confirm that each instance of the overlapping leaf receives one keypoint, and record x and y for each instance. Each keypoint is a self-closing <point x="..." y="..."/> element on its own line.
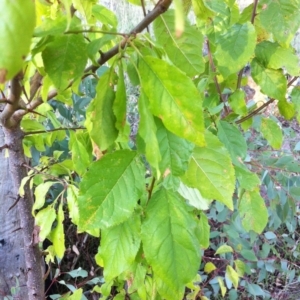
<point x="173" y="98"/>
<point x="119" y="246"/>
<point x="175" y="151"/>
<point x="110" y="189"/>
<point x="100" y="116"/>
<point x="169" y="241"/>
<point x="235" y="47"/>
<point x="211" y="171"/>
<point x="184" y="51"/>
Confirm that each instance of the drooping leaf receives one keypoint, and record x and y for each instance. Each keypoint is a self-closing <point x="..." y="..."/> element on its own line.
<point x="235" y="47"/>
<point x="204" y="230"/>
<point x="233" y="140"/>
<point x="253" y="211"/>
<point x="65" y="59"/>
<point x="182" y="50"/>
<point x="17" y="22"/>
<point x="44" y="219"/>
<point x="211" y="171"/>
<point x="110" y="189"/>
<point x="147" y="131"/>
<point x="175" y="99"/>
<point x="271" y="132"/>
<point x="169" y="241"/>
<point x="80" y="157"/>
<point x="175" y="151"/>
<point x="222" y="286"/>
<point x="119" y="246"/>
<point x="57" y="234"/>
<point x="40" y="194"/>
<point x="101" y="120"/>
<point x="272" y="82"/>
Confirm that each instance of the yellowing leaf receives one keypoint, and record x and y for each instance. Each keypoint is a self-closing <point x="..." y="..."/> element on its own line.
<point x="233" y="276"/>
<point x="224" y="249"/>
<point x="222" y="286"/>
<point x="271" y="132"/>
<point x="209" y="267"/>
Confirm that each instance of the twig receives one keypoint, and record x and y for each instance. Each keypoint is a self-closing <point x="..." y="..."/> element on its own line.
<point x="161" y="7"/>
<point x="95" y="31"/>
<point x="51" y="130"/>
<point x="256" y="111"/>
<point x="213" y="68"/>
<point x="150" y="190"/>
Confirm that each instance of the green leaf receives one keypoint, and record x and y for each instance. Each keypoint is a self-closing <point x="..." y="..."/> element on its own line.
<point x="147" y="131"/>
<point x="211" y="171"/>
<point x="224" y="249"/>
<point x="272" y="82"/>
<point x="273" y="56"/>
<point x="175" y="99"/>
<point x="235" y="48"/>
<point x="44" y="219"/>
<point x="233" y="276"/>
<point x="101" y="120"/>
<point x="80" y="156"/>
<point x="271" y="132"/>
<point x="237" y="102"/>
<point x="104" y="15"/>
<point x="119" y="246"/>
<point x="193" y="197"/>
<point x="295" y="98"/>
<point x="253" y="211"/>
<point x="40" y="193"/>
<point x="110" y="189"/>
<point x="281" y="18"/>
<point x="58" y="235"/>
<point x="233" y="140"/>
<point x="183" y="51"/>
<point x="240" y="267"/>
<point x="17" y="23"/>
<point x="247" y="179"/>
<point x="175" y="151"/>
<point x="65" y="59"/>
<point x="204" y="230"/>
<point x="286" y="109"/>
<point x="119" y="106"/>
<point x="169" y="241"/>
<point x="72" y="194"/>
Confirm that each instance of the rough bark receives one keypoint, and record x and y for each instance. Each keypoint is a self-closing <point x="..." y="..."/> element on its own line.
<point x="32" y="269"/>
<point x="12" y="259"/>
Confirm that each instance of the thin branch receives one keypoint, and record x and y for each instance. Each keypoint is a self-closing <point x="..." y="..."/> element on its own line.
<point x="161" y="7"/>
<point x="256" y="111"/>
<point x="95" y="31"/>
<point x="51" y="130"/>
<point x="254" y="11"/>
<point x="144" y="12"/>
<point x="213" y="68"/>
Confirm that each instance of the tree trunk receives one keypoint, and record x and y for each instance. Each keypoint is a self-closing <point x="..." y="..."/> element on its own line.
<point x="20" y="259"/>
